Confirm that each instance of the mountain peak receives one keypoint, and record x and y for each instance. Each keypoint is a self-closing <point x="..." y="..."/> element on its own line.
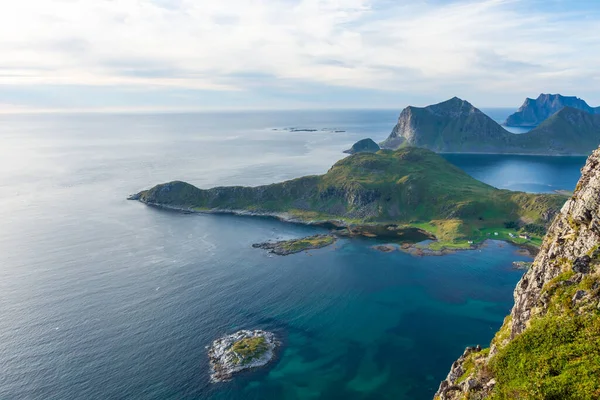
<point x="452" y="107"/>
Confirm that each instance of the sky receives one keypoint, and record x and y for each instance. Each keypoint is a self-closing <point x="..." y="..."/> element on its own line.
<point x="136" y="55"/>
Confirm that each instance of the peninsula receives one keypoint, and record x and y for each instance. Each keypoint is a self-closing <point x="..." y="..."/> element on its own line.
<point x="398" y="194"/>
<point x="456" y="126"/>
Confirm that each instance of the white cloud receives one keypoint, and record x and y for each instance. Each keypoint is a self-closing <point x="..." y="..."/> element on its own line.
<point x="405" y="46"/>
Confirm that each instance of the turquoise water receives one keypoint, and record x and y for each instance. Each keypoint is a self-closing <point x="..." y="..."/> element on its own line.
<point x="108" y="299"/>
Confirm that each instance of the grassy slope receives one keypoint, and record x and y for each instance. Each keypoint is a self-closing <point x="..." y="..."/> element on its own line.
<point x="409" y="186"/>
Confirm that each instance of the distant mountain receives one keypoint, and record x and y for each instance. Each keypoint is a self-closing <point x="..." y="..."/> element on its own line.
<point x="363" y="146"/>
<point x="453" y="125"/>
<point x="456" y="126"/>
<point x="534" y="112"/>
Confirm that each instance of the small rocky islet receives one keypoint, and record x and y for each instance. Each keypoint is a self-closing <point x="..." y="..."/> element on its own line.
<point x="240" y="351"/>
<point x="292" y="246"/>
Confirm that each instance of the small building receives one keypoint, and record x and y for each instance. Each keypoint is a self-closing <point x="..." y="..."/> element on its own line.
<point x="523" y="236"/>
<point x="512" y="235"/>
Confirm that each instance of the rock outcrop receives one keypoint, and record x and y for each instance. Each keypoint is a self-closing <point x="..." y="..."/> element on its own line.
<point x="363" y="146"/>
<point x="561" y="291"/>
<point x="456" y="126"/>
<point x="535" y="111"/>
<point x="240" y="351"/>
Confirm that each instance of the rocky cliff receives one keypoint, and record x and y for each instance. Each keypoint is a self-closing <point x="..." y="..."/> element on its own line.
<point x="456" y="126"/>
<point x="549" y="345"/>
<point x="453" y="125"/>
<point x="534" y="111"/>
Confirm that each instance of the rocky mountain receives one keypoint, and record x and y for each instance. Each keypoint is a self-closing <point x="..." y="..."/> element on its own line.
<point x="534" y="112"/>
<point x="549" y="345"/>
<point x="456" y="126"/>
<point x="453" y="125"/>
<point x="364" y="145"/>
<point x="407" y="186"/>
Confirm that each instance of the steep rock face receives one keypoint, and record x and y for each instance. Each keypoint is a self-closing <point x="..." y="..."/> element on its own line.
<point x="561" y="288"/>
<point x="574" y="233"/>
<point x="453" y="125"/>
<point x="534" y="112"/>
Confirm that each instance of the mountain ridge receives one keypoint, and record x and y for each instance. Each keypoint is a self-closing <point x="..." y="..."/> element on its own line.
<point x="535" y="111"/>
<point x="456" y="126"/>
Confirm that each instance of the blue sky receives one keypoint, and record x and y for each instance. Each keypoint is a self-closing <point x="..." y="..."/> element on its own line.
<point x="132" y="55"/>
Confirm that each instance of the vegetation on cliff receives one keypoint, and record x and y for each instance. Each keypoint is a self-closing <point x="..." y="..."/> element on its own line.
<point x="410" y="187"/>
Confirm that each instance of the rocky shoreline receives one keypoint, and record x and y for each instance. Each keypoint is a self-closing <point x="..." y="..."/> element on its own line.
<point x="239" y="352"/>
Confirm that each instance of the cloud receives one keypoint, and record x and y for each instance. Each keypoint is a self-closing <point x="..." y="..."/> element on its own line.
<point x="481" y="47"/>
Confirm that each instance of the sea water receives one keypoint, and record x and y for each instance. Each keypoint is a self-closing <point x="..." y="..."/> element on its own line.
<point x="103" y="298"/>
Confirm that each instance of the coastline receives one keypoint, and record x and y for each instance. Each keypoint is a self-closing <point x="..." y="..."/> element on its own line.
<point x="341" y="228"/>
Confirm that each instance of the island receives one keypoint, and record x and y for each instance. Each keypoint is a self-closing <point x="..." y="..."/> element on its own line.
<point x="535" y="111"/>
<point x="456" y="126"/>
<point x="287" y="247"/>
<point x="239" y="352"/>
<point x="363" y="146"/>
<point x="410" y="194"/>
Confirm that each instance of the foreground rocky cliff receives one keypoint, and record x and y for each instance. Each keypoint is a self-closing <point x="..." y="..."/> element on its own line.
<point x="549" y="346"/>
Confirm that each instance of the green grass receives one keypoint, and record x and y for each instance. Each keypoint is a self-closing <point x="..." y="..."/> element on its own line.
<point x="554" y="358"/>
<point x="250" y="348"/>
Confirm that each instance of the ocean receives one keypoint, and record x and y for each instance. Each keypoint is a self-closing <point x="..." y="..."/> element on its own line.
<point x="104" y="298"/>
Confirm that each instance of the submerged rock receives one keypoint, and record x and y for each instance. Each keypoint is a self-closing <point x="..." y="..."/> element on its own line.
<point x="240" y="351"/>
